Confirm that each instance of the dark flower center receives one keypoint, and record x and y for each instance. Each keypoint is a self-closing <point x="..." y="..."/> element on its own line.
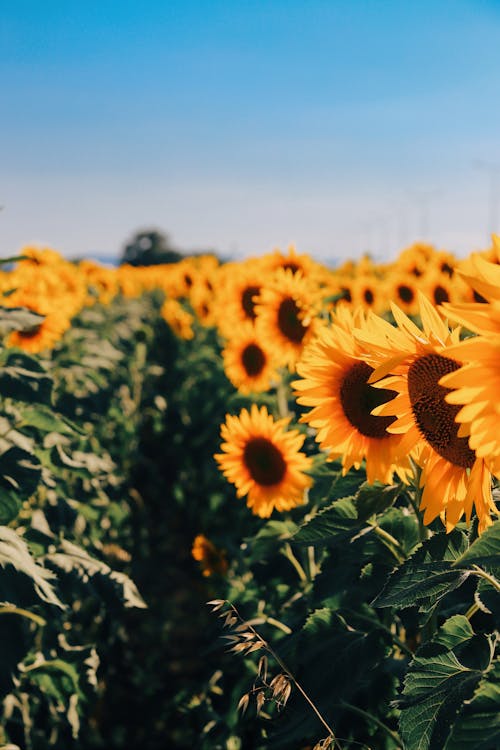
<point x="435" y="418"/>
<point x="358" y="400"/>
<point x="346" y="294"/>
<point x="30" y="333"/>
<point x="248" y="300"/>
<point x="289" y="321"/>
<point x="440" y="295"/>
<point x="478" y="297"/>
<point x="369" y="296"/>
<point x="291" y="266"/>
<point x="253" y="359"/>
<point x="406" y="293"/>
<point x="264" y="461"/>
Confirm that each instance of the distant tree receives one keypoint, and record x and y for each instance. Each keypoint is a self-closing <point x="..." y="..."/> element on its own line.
<point x="149" y="247"/>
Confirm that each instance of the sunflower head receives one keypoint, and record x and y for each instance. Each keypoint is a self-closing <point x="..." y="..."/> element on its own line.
<point x="249" y="362"/>
<point x="262" y="458"/>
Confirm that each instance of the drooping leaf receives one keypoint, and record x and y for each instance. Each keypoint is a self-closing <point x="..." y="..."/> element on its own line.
<point x="14" y="551"/>
<point x="72" y="559"/>
<point x="24" y="379"/>
<point x="20" y="471"/>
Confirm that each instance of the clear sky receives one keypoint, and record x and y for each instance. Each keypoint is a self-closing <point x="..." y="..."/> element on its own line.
<point x="243" y="125"/>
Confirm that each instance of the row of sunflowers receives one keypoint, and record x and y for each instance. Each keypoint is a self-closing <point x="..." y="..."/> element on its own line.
<point x="361" y="420"/>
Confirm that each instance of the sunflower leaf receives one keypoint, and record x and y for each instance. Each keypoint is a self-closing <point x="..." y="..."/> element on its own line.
<point x="425" y="577"/>
<point x="337" y="521"/>
<point x="437" y="684"/>
<point x="478" y="726"/>
<point x="484" y="551"/>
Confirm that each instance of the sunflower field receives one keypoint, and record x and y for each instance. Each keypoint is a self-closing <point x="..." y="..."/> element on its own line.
<point x="250" y="505"/>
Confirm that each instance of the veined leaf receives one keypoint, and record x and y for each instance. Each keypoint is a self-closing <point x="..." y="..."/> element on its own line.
<point x="436" y="685"/>
<point x="425" y="577"/>
<point x="337" y="521"/>
<point x="484" y="551"/>
<point x="478" y="726"/>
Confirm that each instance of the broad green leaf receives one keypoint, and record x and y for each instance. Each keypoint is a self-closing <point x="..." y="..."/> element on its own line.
<point x="72" y="559"/>
<point x="425" y="577"/>
<point x="46" y="419"/>
<point x="10" y="505"/>
<point x="14" y="551"/>
<point x="478" y="726"/>
<point x="337" y="521"/>
<point x="20" y="471"/>
<point x="24" y="379"/>
<point x="436" y="686"/>
<point x="484" y="551"/>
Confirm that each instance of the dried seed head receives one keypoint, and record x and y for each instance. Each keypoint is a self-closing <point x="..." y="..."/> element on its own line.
<point x="243" y="703"/>
<point x="260" y="699"/>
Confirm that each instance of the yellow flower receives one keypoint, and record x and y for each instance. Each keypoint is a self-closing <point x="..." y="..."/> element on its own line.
<point x="212" y="560"/>
<point x="411" y="362"/>
<point x="263" y="460"/>
<point x="287" y="317"/>
<point x="179" y="319"/>
<point x="248" y="363"/>
<point x="475" y="393"/>
<point x="335" y="384"/>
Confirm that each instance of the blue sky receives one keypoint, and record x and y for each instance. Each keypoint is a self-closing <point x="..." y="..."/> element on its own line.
<point x="241" y="126"/>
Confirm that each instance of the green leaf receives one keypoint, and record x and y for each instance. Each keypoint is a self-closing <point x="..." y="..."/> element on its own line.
<point x="24" y="379"/>
<point x="45" y="419"/>
<point x="14" y="551"/>
<point x="337" y="521"/>
<point x="478" y="726"/>
<point x="425" y="577"/>
<point x="19" y="471"/>
<point x="484" y="551"/>
<point x="436" y="685"/>
<point x="375" y="498"/>
<point x="73" y="559"/>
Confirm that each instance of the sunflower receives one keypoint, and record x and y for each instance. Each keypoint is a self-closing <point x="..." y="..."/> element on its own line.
<point x="483" y="277"/>
<point x="287" y="316"/>
<point x="248" y="363"/>
<point x="334" y="381"/>
<point x="45" y="334"/>
<point x="475" y="392"/>
<point x="211" y="558"/>
<point x="241" y="284"/>
<point x="263" y="460"/>
<point x="411" y="362"/>
<point x="180" y="320"/>
<point x="368" y="292"/>
<point x="402" y="288"/>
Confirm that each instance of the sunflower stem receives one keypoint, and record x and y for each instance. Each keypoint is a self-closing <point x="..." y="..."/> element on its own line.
<point x="415" y="498"/>
<point x="390" y="542"/>
<point x="282" y="398"/>
<point x="472" y="611"/>
<point x="288" y="553"/>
